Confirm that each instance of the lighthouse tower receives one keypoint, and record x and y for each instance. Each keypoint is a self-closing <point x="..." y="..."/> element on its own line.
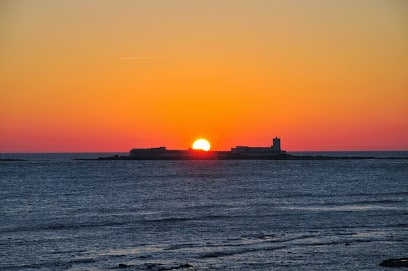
<point x="276" y="146"/>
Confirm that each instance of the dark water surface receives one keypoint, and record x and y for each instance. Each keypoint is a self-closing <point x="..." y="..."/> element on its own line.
<point x="61" y="214"/>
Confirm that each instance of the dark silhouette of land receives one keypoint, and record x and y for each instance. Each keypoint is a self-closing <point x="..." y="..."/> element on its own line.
<point x="273" y="152"/>
<point x="201" y="155"/>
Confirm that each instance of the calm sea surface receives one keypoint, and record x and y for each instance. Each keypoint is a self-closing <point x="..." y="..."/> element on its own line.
<point x="61" y="214"/>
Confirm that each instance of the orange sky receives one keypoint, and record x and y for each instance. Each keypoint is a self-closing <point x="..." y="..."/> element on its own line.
<point x="99" y="75"/>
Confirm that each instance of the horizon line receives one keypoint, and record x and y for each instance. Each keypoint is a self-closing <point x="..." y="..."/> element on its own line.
<point x="74" y="152"/>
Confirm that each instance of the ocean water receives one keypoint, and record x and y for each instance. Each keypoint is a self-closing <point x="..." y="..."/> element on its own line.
<point x="61" y="214"/>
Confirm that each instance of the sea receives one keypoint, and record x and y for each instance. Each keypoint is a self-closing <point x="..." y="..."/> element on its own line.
<point x="58" y="213"/>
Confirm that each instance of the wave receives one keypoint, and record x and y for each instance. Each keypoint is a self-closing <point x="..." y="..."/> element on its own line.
<point x="377" y="201"/>
<point x="56" y="265"/>
<point x="352" y="207"/>
<point x="72" y="225"/>
<point x="217" y="254"/>
<point x="399" y="225"/>
<point x="397" y="193"/>
<point x="285" y="243"/>
<point x="190" y="218"/>
<point x="77" y="226"/>
<point x="183" y="246"/>
<point x="68" y="251"/>
<point x="62" y="226"/>
<point x="264" y="244"/>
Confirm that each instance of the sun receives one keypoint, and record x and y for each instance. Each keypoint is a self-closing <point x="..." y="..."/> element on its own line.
<point x="201" y="144"/>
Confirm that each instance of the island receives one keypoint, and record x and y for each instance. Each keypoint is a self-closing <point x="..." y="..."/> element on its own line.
<point x="273" y="152"/>
<point x="239" y="152"/>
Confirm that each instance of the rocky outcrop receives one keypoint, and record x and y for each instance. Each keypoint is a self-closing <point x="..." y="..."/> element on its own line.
<point x="160" y="267"/>
<point x="402" y="262"/>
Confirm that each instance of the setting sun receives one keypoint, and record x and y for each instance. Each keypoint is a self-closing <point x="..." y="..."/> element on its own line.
<point x="201" y="144"/>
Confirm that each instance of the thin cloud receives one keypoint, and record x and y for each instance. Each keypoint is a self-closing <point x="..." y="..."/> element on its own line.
<point x="144" y="58"/>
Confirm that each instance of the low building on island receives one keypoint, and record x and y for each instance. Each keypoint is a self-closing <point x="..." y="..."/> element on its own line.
<point x="147" y="152"/>
<point x="275" y="148"/>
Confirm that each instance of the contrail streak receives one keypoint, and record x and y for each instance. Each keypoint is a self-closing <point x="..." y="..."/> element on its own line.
<point x="144" y="58"/>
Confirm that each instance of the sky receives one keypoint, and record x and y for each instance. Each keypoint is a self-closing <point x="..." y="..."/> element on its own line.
<point x="99" y="75"/>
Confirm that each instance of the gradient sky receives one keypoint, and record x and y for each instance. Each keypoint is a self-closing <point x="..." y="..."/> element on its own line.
<point x="98" y="75"/>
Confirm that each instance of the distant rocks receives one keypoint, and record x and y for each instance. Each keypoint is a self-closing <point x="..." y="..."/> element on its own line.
<point x="402" y="262"/>
<point x="159" y="267"/>
<point x="11" y="160"/>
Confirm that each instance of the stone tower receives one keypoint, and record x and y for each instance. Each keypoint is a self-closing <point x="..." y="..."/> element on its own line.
<point x="276" y="146"/>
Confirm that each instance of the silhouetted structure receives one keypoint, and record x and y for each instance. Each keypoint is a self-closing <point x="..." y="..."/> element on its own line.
<point x="239" y="152"/>
<point x="147" y="152"/>
<point x="275" y="148"/>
